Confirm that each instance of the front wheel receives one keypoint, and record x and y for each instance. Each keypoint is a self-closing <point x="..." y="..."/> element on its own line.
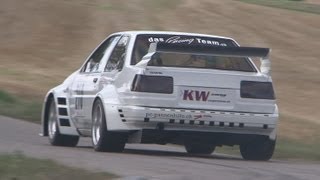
<point x="102" y="139"/>
<point x="260" y="149"/>
<point x="55" y="138"/>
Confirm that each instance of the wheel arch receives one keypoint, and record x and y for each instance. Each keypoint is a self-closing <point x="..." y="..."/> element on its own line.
<point x="111" y="101"/>
<point x="94" y="101"/>
<point x="52" y="94"/>
<point x="45" y="113"/>
<point x="103" y="106"/>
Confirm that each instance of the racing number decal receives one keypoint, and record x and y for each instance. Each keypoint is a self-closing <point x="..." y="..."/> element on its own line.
<point x="79" y="97"/>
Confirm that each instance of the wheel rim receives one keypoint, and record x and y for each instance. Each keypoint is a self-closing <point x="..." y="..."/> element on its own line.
<point x="52" y="121"/>
<point x="96" y="126"/>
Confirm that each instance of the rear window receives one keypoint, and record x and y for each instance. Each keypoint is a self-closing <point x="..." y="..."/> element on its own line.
<point x="143" y="41"/>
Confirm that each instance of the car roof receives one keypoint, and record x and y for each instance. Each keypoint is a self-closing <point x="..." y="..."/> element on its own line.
<point x="171" y="33"/>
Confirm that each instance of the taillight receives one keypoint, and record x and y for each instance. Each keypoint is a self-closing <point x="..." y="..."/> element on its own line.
<point x="152" y="84"/>
<point x="257" y="90"/>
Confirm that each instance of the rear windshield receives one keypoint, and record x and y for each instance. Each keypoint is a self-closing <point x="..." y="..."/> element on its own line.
<point x="189" y="60"/>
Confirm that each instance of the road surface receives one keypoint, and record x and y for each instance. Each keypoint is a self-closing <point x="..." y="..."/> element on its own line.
<point x="148" y="161"/>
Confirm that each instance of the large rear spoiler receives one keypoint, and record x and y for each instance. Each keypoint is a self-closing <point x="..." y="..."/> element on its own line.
<point x="262" y="53"/>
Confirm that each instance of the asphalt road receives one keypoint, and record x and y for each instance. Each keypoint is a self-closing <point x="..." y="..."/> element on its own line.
<point x="148" y="161"/>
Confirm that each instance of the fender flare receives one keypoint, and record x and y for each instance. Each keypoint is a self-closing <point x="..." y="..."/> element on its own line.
<point x="45" y="113"/>
<point x="110" y="99"/>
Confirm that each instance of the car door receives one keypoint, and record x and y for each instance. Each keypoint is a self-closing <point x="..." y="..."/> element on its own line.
<point x="86" y="84"/>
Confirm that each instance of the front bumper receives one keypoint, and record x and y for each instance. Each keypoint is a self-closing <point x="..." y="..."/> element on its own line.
<point x="139" y="118"/>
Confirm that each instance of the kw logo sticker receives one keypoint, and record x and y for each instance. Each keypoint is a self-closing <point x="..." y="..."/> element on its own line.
<point x="195" y="95"/>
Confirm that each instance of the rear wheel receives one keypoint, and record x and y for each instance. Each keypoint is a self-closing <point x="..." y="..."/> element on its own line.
<point x="55" y="138"/>
<point x="260" y="149"/>
<point x="102" y="139"/>
<point x="199" y="148"/>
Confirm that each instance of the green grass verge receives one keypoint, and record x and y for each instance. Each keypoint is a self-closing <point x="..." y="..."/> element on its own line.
<point x="162" y="4"/>
<point x="286" y="149"/>
<point x="293" y="149"/>
<point x="17" y="166"/>
<point x="296" y="5"/>
<point x="20" y="108"/>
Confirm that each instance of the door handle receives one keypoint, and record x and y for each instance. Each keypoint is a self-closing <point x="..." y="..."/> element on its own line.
<point x="95" y="80"/>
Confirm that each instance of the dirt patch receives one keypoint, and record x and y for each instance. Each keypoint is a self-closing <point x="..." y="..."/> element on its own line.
<point x="37" y="41"/>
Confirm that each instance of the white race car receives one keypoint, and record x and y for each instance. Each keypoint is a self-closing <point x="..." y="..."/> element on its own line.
<point x="198" y="90"/>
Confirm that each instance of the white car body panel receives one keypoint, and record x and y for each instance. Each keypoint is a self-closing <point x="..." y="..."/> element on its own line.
<point x="222" y="111"/>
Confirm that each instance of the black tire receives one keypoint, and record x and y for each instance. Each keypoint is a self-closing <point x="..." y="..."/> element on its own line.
<point x="55" y="138"/>
<point x="102" y="139"/>
<point x="260" y="149"/>
<point x="199" y="148"/>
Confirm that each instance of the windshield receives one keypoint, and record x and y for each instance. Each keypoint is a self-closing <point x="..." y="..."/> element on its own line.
<point x="189" y="60"/>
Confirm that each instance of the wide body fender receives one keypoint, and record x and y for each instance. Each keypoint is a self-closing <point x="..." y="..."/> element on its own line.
<point x="60" y="95"/>
<point x="111" y="101"/>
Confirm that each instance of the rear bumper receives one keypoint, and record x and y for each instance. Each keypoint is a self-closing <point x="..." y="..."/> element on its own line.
<point x="141" y="118"/>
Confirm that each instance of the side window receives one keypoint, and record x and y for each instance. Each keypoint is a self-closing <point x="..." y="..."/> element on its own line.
<point x="117" y="57"/>
<point x="93" y="63"/>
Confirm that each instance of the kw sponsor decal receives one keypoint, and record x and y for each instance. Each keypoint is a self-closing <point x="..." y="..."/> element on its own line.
<point x="168" y="116"/>
<point x="192" y="95"/>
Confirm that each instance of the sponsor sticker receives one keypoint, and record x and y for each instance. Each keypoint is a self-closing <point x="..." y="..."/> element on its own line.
<point x="186" y="40"/>
<point x="178" y="116"/>
<point x="193" y="95"/>
<point x="168" y="116"/>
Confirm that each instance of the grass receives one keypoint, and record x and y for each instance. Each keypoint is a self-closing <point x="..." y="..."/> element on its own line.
<point x="17" y="166"/>
<point x="17" y="107"/>
<point x="296" y="5"/>
<point x="162" y="4"/>
<point x="286" y="149"/>
<point x="293" y="149"/>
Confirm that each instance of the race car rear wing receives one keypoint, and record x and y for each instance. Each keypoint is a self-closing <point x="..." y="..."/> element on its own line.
<point x="262" y="53"/>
